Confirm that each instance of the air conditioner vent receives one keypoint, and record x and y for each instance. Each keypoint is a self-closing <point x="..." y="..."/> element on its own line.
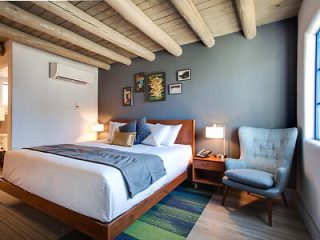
<point x="70" y="74"/>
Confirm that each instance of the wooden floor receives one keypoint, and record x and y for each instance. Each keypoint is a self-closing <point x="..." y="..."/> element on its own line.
<point x="243" y="218"/>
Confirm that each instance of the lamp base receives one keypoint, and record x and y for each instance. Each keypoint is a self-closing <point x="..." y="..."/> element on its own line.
<point x="222" y="156"/>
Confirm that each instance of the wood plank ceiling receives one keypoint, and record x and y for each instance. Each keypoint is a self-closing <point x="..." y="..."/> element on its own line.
<point x="147" y="26"/>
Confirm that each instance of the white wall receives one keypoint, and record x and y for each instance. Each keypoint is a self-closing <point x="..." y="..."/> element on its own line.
<point x="43" y="109"/>
<point x="308" y="186"/>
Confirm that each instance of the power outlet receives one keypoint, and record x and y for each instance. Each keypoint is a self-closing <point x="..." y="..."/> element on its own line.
<point x="76" y="106"/>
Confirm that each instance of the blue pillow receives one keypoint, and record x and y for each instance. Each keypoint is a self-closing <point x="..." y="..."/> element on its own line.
<point x="129" y="127"/>
<point x="143" y="130"/>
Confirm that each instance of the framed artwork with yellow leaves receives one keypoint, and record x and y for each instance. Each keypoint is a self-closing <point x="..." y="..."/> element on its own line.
<point x="156" y="87"/>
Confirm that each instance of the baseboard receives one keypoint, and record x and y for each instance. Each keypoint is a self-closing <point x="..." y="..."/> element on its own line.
<point x="308" y="222"/>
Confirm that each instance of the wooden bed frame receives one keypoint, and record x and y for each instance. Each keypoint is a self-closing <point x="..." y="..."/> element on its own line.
<point x="92" y="227"/>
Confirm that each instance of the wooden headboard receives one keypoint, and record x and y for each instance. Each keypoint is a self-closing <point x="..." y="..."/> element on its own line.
<point x="186" y="135"/>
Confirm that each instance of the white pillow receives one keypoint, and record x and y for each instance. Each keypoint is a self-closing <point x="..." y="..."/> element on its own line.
<point x="113" y="126"/>
<point x="172" y="135"/>
<point x="158" y="134"/>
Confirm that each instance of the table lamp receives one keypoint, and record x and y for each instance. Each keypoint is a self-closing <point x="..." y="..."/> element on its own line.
<point x="217" y="132"/>
<point x="97" y="127"/>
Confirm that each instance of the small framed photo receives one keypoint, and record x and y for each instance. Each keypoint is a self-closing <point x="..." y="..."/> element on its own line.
<point x="156" y="87"/>
<point x="175" y="89"/>
<point x="183" y="75"/>
<point x="127" y="96"/>
<point x="139" y="82"/>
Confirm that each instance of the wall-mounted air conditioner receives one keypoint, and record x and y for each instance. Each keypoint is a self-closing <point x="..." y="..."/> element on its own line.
<point x="70" y="74"/>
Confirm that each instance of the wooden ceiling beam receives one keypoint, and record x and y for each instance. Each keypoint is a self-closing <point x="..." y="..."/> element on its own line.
<point x="189" y="12"/>
<point x="21" y="16"/>
<point x="16" y="35"/>
<point x="247" y="15"/>
<point x="2" y="49"/>
<point x="83" y="20"/>
<point x="133" y="14"/>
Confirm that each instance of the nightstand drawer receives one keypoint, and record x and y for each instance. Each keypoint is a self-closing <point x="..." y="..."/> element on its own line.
<point x="208" y="165"/>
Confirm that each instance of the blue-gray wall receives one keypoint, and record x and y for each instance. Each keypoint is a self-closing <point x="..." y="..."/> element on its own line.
<point x="236" y="82"/>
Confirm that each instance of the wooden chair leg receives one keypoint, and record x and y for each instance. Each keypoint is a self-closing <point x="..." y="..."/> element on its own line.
<point x="269" y="211"/>
<point x="226" y="189"/>
<point x="283" y="195"/>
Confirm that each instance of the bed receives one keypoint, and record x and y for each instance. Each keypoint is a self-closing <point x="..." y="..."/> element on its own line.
<point x="50" y="183"/>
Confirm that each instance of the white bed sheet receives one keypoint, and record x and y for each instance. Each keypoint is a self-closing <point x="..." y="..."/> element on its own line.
<point x="94" y="190"/>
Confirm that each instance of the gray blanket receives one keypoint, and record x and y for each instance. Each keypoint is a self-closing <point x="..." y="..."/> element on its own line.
<point x="139" y="170"/>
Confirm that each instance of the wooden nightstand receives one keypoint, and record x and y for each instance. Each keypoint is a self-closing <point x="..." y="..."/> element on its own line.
<point x="209" y="170"/>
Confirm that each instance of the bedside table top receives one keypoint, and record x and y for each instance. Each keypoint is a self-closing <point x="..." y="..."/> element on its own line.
<point x="209" y="158"/>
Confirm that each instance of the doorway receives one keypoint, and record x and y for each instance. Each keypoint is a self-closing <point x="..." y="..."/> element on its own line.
<point x="4" y="101"/>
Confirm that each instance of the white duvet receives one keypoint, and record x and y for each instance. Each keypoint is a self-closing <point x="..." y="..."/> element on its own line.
<point x="94" y="190"/>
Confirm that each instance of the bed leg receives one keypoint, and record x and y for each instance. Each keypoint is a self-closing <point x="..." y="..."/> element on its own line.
<point x="106" y="235"/>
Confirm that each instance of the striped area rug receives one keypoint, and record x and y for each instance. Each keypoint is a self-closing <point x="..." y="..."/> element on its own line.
<point x="172" y="218"/>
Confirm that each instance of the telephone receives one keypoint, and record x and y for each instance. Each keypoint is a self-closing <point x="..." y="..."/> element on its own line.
<point x="204" y="153"/>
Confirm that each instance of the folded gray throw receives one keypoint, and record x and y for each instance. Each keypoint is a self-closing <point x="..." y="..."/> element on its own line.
<point x="139" y="170"/>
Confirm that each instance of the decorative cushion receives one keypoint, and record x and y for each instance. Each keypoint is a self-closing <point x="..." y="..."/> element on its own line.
<point x="251" y="177"/>
<point x="172" y="135"/>
<point x="158" y="134"/>
<point x="129" y="127"/>
<point x="143" y="130"/>
<point x="123" y="138"/>
<point x="113" y="126"/>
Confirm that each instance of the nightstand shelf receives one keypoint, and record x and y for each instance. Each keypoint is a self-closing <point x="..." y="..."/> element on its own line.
<point x="209" y="170"/>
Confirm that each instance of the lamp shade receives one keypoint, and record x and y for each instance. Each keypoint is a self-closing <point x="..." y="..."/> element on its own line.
<point x="215" y="131"/>
<point x="97" y="127"/>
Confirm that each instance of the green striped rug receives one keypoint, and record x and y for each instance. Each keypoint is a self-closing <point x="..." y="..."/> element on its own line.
<point x="172" y="218"/>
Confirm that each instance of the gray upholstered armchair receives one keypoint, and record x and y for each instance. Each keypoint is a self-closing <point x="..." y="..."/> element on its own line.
<point x="264" y="165"/>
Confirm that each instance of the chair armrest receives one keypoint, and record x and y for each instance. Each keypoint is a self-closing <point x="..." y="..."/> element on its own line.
<point x="281" y="178"/>
<point x="231" y="163"/>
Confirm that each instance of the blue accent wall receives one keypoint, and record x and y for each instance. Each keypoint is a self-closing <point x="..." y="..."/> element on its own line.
<point x="236" y="82"/>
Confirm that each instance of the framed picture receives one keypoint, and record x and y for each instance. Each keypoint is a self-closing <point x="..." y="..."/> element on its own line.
<point x="139" y="82"/>
<point x="156" y="87"/>
<point x="175" y="89"/>
<point x="183" y="75"/>
<point x="127" y="96"/>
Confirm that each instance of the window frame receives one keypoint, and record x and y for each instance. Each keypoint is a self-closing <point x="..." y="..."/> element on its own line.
<point x="317" y="88"/>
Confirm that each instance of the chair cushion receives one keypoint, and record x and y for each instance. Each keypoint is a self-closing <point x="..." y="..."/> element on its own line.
<point x="251" y="177"/>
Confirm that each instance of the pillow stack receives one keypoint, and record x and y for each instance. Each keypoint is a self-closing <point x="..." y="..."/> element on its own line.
<point x="141" y="132"/>
<point x="139" y="128"/>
